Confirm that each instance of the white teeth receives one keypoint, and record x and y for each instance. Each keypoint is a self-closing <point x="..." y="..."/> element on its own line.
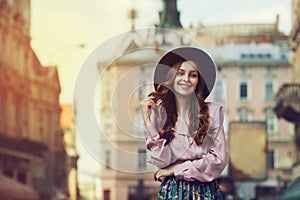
<point x="185" y="85"/>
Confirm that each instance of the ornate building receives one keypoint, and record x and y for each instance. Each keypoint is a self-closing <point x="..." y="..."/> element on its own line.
<point x="238" y="33"/>
<point x="169" y="16"/>
<point x="125" y="173"/>
<point x="288" y="96"/>
<point x="31" y="150"/>
<point x="69" y="141"/>
<point x="253" y="61"/>
<point x="249" y="76"/>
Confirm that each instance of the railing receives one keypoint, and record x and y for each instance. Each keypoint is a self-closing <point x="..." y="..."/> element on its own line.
<point x="288" y="91"/>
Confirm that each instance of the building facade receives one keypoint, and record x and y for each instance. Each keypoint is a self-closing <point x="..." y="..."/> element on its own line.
<point x="250" y="74"/>
<point x="242" y="33"/>
<point x="288" y="96"/>
<point x="31" y="151"/>
<point x="253" y="62"/>
<point x="125" y="173"/>
<point x="69" y="141"/>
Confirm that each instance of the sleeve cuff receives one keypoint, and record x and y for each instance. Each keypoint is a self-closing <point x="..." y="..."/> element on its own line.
<point x="181" y="169"/>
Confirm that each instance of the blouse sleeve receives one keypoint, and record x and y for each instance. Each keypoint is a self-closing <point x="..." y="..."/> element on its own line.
<point x="211" y="165"/>
<point x="160" y="152"/>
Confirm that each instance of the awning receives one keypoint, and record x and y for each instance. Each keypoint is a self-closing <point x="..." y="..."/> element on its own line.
<point x="292" y="192"/>
<point x="14" y="190"/>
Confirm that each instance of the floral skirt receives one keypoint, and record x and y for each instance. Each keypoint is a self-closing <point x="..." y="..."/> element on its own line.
<point x="172" y="189"/>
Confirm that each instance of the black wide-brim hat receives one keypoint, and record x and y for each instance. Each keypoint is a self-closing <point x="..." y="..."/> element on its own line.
<point x="204" y="63"/>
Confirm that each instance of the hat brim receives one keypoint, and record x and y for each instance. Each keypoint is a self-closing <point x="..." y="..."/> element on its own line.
<point x="204" y="63"/>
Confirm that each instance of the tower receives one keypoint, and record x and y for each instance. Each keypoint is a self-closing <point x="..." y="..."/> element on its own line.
<point x="170" y="16"/>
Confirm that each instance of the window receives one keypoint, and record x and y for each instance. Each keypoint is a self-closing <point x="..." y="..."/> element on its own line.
<point x="108" y="159"/>
<point x="107" y="122"/>
<point x="243" y="91"/>
<point x="244" y="114"/>
<point x="3" y="115"/>
<point x="269" y="91"/>
<point x="271" y="121"/>
<point x="8" y="167"/>
<point x="106" y="194"/>
<point x="219" y="94"/>
<point x="144" y="88"/>
<point x="1" y="40"/>
<point x="243" y="56"/>
<point x="269" y="56"/>
<point x="142" y="158"/>
<point x="108" y="89"/>
<point x="270" y="159"/>
<point x="142" y="91"/>
<point x="22" y="176"/>
<point x="139" y="122"/>
<point x="268" y="70"/>
<point x="141" y="191"/>
<point x="8" y="171"/>
<point x="243" y="71"/>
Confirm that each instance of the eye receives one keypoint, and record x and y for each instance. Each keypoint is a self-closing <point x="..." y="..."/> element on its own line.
<point x="193" y="75"/>
<point x="180" y="72"/>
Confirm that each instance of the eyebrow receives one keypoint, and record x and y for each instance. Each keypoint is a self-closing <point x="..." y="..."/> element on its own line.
<point x="188" y="71"/>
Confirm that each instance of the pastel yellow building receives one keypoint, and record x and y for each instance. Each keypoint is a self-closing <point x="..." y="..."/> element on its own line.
<point x="30" y="136"/>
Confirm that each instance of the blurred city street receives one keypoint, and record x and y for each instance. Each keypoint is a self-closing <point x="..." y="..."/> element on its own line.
<point x="72" y="74"/>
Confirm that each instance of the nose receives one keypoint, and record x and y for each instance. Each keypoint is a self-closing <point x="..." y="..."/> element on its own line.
<point x="186" y="77"/>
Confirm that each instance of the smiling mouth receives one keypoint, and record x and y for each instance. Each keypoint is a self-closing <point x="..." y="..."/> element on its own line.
<point x="184" y="85"/>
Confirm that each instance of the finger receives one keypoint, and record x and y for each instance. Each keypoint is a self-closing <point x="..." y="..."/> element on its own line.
<point x="155" y="179"/>
<point x="159" y="176"/>
<point x="147" y="99"/>
<point x="159" y="179"/>
<point x="150" y="103"/>
<point x="155" y="175"/>
<point x="147" y="103"/>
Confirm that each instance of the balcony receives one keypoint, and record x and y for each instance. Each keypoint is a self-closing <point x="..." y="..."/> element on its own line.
<point x="23" y="148"/>
<point x="288" y="102"/>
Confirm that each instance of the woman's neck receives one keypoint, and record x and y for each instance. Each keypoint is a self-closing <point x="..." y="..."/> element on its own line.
<point x="183" y="106"/>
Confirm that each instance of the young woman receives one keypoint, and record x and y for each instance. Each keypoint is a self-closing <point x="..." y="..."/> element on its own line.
<point x="184" y="133"/>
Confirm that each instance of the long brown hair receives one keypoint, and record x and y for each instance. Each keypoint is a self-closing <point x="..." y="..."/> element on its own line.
<point x="198" y="112"/>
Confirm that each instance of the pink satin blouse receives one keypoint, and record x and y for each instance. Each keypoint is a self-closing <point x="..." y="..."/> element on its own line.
<point x="191" y="162"/>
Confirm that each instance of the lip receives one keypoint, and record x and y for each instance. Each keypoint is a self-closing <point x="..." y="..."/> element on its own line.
<point x="185" y="85"/>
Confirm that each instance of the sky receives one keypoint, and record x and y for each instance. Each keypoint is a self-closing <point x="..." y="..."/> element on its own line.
<point x="58" y="27"/>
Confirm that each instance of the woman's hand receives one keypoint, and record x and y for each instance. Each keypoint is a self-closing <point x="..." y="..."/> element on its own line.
<point x="146" y="106"/>
<point x="162" y="173"/>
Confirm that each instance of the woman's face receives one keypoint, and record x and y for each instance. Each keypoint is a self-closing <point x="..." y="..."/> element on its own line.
<point x="186" y="79"/>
